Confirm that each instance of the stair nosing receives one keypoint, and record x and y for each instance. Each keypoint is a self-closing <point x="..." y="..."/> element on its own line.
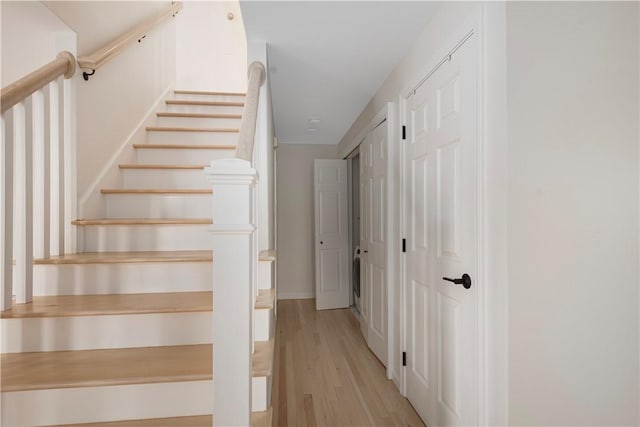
<point x="142" y="221"/>
<point x="197" y="92"/>
<point x="198" y="115"/>
<point x="156" y="191"/>
<point x="190" y="129"/>
<point x="159" y="166"/>
<point x="204" y="103"/>
<point x="134" y="257"/>
<point x="184" y="146"/>
<point x="77" y="312"/>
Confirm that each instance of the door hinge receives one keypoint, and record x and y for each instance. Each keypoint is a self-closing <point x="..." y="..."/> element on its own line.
<point x="404" y="132"/>
<point x="404" y="245"/>
<point x="404" y="358"/>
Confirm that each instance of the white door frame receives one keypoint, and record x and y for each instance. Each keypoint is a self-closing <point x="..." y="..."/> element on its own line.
<point x="475" y="28"/>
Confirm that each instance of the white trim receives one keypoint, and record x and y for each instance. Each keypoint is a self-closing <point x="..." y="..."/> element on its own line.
<point x="296" y="295"/>
<point x="111" y="165"/>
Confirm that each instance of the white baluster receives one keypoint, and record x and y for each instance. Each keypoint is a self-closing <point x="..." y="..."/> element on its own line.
<point x="40" y="237"/>
<point x="23" y="215"/>
<point x="234" y="265"/>
<point x="6" y="216"/>
<point x="55" y="207"/>
<point x="67" y="108"/>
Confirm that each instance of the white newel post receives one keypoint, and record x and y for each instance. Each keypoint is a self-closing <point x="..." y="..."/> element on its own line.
<point x="234" y="264"/>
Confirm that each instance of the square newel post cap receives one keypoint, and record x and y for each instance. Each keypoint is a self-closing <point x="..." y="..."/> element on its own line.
<point x="231" y="171"/>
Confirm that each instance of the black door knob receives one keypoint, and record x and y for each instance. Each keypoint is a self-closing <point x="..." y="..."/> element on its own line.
<point x="321" y="242"/>
<point x="465" y="280"/>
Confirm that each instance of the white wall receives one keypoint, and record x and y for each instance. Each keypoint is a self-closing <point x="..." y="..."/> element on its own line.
<point x="212" y="50"/>
<point x="116" y="100"/>
<point x="31" y="36"/>
<point x="296" y="269"/>
<point x="573" y="213"/>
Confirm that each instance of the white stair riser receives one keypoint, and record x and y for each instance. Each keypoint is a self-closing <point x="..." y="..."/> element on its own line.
<point x="208" y="97"/>
<point x="203" y="109"/>
<point x="159" y="205"/>
<point x="203" y="138"/>
<point x="264" y="324"/>
<point x="120" y="402"/>
<point x="264" y="274"/>
<point x="260" y="393"/>
<point x="124" y="278"/>
<point x="125" y="238"/>
<point x="164" y="178"/>
<point x="115" y="331"/>
<point x="182" y="156"/>
<point x="199" y="122"/>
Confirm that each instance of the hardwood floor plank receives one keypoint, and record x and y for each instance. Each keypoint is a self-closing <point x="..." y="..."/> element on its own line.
<point x="325" y="375"/>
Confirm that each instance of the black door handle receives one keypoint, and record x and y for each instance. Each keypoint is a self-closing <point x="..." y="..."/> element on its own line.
<point x="366" y="252"/>
<point x="465" y="280"/>
<point x="321" y="242"/>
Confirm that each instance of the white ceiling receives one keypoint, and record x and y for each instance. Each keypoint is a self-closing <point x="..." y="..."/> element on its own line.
<point x="328" y="58"/>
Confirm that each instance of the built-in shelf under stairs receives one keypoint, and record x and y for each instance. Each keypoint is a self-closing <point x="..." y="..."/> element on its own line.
<point x="121" y="332"/>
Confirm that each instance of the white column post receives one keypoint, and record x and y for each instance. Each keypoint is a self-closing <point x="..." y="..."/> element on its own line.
<point x="234" y="265"/>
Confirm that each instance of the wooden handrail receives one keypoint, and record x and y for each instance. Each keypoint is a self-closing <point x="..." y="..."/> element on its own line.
<point x="64" y="64"/>
<point x="257" y="77"/>
<point x="111" y="49"/>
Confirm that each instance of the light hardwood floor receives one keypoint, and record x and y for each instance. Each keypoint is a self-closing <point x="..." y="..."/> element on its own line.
<point x="325" y="375"/>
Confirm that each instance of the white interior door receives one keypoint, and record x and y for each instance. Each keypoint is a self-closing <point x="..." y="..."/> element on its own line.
<point x="331" y="234"/>
<point x="375" y="242"/>
<point x="441" y="322"/>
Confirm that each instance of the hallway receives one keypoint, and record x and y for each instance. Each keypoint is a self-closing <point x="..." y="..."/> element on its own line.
<point x="324" y="374"/>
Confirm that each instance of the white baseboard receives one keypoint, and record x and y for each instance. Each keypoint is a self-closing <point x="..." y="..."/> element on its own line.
<point x="91" y="204"/>
<point x="295" y="295"/>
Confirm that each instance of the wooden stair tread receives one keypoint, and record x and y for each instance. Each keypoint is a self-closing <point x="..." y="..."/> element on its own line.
<point x="198" y="115"/>
<point x="204" y="103"/>
<point x="151" y="166"/>
<point x="188" y="129"/>
<point x="193" y="421"/>
<point x="265" y="299"/>
<point x="268" y="255"/>
<point x="127" y="257"/>
<point x="156" y="191"/>
<point x="143" y="221"/>
<point x="99" y="305"/>
<point x="258" y="419"/>
<point x="131" y="257"/>
<point x="95" y="368"/>
<point x="197" y="92"/>
<point x="185" y="146"/>
<point x="262" y="360"/>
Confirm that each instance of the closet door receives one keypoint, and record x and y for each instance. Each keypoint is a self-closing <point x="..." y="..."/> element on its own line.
<point x="374" y="243"/>
<point x="365" y="228"/>
<point x="442" y="333"/>
<point x="378" y="335"/>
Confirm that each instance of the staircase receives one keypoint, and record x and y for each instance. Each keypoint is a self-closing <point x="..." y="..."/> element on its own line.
<point x="122" y="330"/>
